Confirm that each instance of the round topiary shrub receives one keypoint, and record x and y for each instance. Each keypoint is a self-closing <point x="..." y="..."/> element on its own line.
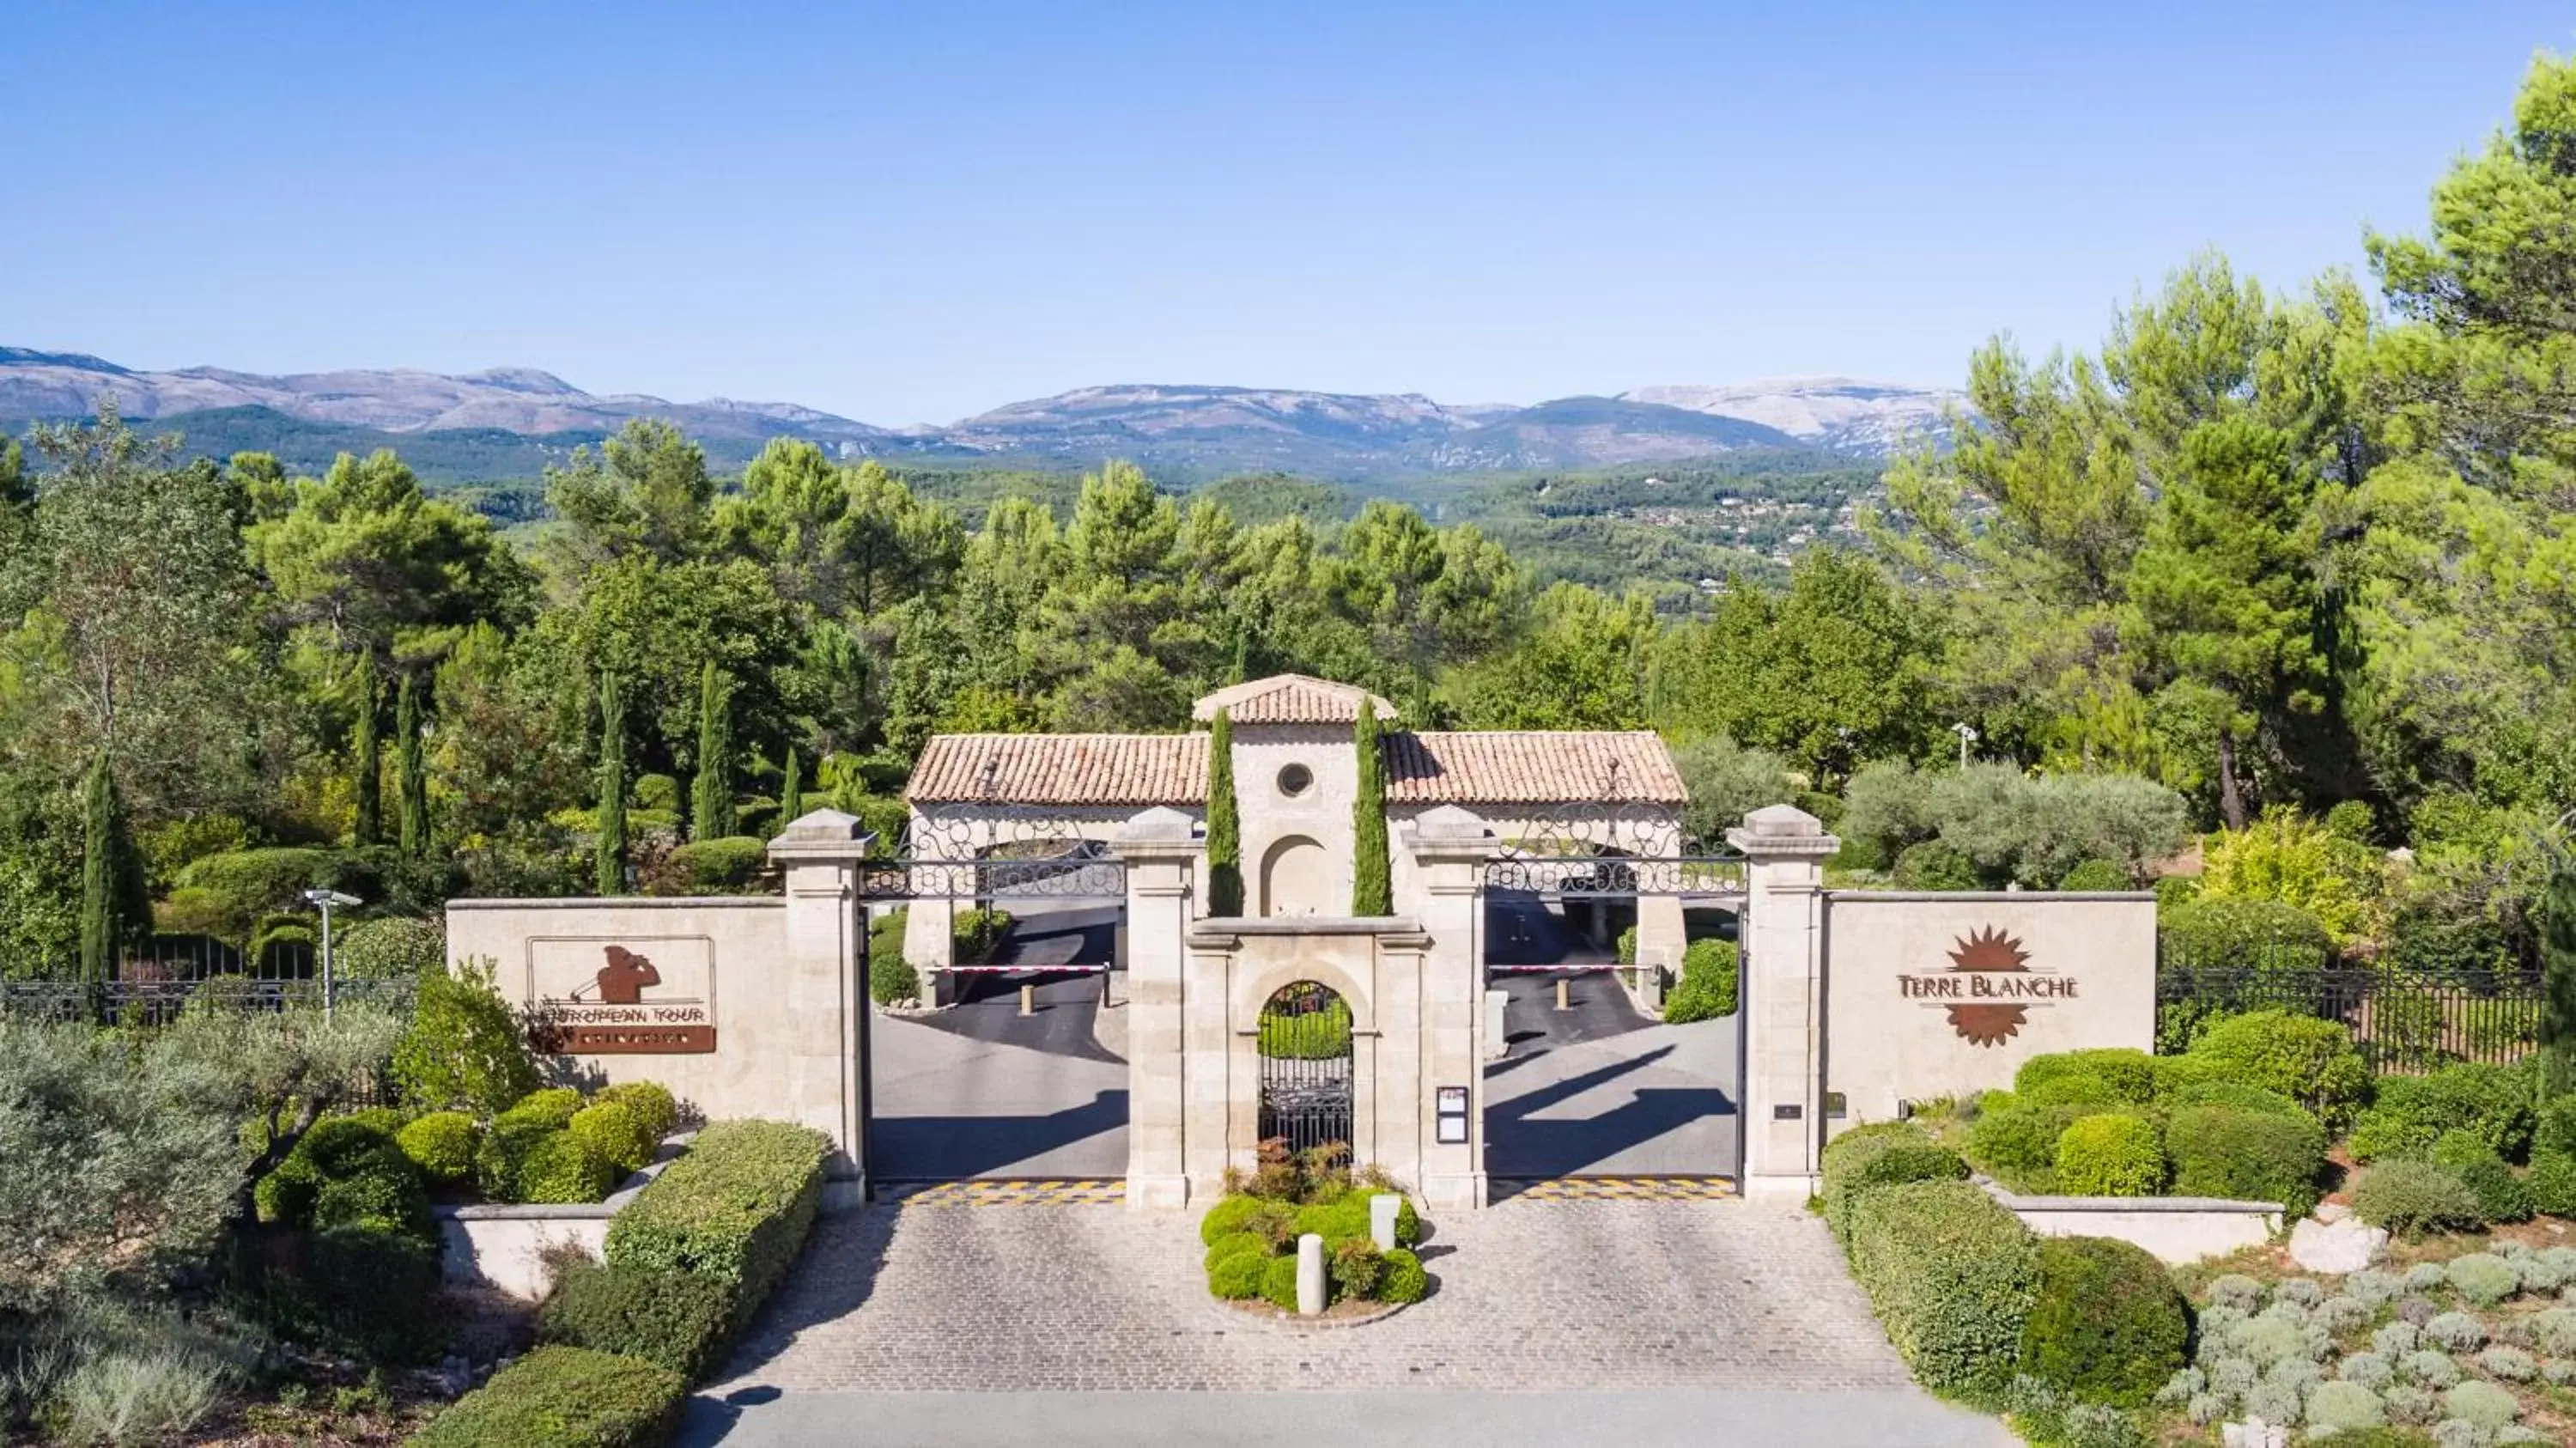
<point x="2107" y="1074"/>
<point x="501" y="1156"/>
<point x="1227" y="1217"/>
<point x="2247" y="1155"/>
<point x="649" y="1099"/>
<point x="2344" y="1407"/>
<point x="2501" y="1196"/>
<point x="554" y="1106"/>
<point x="617" y="1134"/>
<point x="2107" y="1325"/>
<point x="2110" y="1156"/>
<point x="2311" y="1061"/>
<point x="2410" y="1198"/>
<point x="2017" y="1145"/>
<point x="1279" y="1283"/>
<point x="1235" y="1244"/>
<point x="389" y="948"/>
<point x="561" y="1167"/>
<point x="1404" y="1280"/>
<point x="2482" y="1278"/>
<point x="441" y="1145"/>
<point x="1241" y="1276"/>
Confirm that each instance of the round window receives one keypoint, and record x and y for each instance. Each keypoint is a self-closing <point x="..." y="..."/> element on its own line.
<point x="1295" y="780"/>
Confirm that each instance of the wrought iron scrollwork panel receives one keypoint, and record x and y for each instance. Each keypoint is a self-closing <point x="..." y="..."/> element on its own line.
<point x="1093" y="877"/>
<point x="1617" y="876"/>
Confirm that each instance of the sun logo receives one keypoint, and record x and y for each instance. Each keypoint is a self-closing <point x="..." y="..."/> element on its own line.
<point x="1989" y="951"/>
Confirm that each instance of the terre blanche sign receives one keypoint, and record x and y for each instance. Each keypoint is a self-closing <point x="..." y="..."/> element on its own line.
<point x="1989" y="988"/>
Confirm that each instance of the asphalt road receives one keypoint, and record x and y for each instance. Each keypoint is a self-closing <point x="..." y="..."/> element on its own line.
<point x="1603" y="1090"/>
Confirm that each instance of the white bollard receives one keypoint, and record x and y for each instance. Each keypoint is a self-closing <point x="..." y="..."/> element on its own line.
<point x="1382" y="1210"/>
<point x="1310" y="1275"/>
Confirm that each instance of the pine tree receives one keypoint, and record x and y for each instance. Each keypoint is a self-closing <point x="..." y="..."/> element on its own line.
<point x="711" y="807"/>
<point x="1224" y="822"/>
<point x="2558" y="983"/>
<point x="370" y="826"/>
<point x="1372" y="888"/>
<point x="414" y="799"/>
<point x="611" y="846"/>
<point x="791" y="789"/>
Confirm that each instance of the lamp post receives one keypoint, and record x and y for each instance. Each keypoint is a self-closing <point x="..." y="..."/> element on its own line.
<point x="324" y="901"/>
<point x="1967" y="736"/>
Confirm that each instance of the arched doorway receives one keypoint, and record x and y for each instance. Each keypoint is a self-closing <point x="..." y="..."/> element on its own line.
<point x="1296" y="878"/>
<point x="1305" y="1043"/>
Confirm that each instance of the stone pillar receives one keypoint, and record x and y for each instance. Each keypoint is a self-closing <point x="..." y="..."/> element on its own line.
<point x="823" y="980"/>
<point x="1783" y="1007"/>
<point x="1450" y="847"/>
<point x="1161" y="848"/>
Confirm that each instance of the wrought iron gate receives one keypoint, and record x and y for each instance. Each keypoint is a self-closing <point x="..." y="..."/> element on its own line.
<point x="1305" y="1040"/>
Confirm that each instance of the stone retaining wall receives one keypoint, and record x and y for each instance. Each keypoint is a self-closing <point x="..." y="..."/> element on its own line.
<point x="2176" y="1229"/>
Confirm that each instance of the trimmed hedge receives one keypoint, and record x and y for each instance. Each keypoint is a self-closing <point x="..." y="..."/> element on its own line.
<point x="1952" y="1276"/>
<point x="2311" y="1061"/>
<point x="2413" y="1112"/>
<point x="564" y="1397"/>
<point x="2128" y="1076"/>
<point x="617" y="1132"/>
<point x="734" y="1208"/>
<point x="561" y="1167"/>
<point x="2251" y="1155"/>
<point x="665" y="1318"/>
<point x="1709" y="987"/>
<point x="1877" y="1155"/>
<point x="2107" y="1324"/>
<point x="651" y="1099"/>
<point x="347" y="1171"/>
<point x="2017" y="1144"/>
<point x="728" y="865"/>
<point x="441" y="1145"/>
<point x="2110" y="1156"/>
<point x="2411" y="1198"/>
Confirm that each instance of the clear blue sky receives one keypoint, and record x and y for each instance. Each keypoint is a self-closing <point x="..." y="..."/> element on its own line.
<point x="908" y="213"/>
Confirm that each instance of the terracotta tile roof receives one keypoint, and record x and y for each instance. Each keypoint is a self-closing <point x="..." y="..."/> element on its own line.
<point x="1290" y="699"/>
<point x="1102" y="769"/>
<point x="1529" y="767"/>
<point x="1434" y="768"/>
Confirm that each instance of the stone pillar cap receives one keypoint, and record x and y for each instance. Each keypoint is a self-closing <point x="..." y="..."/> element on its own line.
<point x="823" y="834"/>
<point x="1448" y="829"/>
<point x="1782" y="829"/>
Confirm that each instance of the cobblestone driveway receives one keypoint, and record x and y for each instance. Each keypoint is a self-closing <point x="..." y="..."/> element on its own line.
<point x="1532" y="1295"/>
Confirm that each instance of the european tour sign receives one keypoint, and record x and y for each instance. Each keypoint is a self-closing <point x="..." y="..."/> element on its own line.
<point x="622" y="995"/>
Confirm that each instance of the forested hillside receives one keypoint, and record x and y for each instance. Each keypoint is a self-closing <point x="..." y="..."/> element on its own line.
<point x="2269" y="546"/>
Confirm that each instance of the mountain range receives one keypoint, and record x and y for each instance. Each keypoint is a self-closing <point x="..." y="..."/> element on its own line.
<point x="510" y="419"/>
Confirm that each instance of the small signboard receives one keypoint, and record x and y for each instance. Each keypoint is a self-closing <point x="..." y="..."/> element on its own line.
<point x="622" y="996"/>
<point x="1450" y="1125"/>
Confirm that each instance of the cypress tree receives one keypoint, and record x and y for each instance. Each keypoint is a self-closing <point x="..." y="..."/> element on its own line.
<point x="711" y="804"/>
<point x="107" y="904"/>
<point x="370" y="827"/>
<point x="791" y="788"/>
<point x="611" y="846"/>
<point x="1224" y="822"/>
<point x="2558" y="983"/>
<point x="1372" y="886"/>
<point x="414" y="801"/>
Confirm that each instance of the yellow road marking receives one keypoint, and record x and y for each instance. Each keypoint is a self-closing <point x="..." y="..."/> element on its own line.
<point x="1004" y="1192"/>
<point x="1618" y="1189"/>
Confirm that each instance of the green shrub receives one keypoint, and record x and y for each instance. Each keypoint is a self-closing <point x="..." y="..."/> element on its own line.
<point x="727" y="865"/>
<point x="2110" y="1156"/>
<point x="2390" y="1136"/>
<point x="237" y="887"/>
<point x="2308" y="1060"/>
<point x="1239" y="1277"/>
<point x="2129" y="1076"/>
<point x="2482" y="1403"/>
<point x="735" y="1207"/>
<point x="1279" y="1283"/>
<point x="502" y="1156"/>
<point x="1405" y="1281"/>
<point x="2097" y="875"/>
<point x="561" y="1167"/>
<point x="2256" y="935"/>
<point x="648" y="1099"/>
<point x="463" y="1048"/>
<point x="1227" y="1217"/>
<point x="1952" y="1276"/>
<point x="1408" y="1223"/>
<point x="564" y="1397"/>
<point x="2410" y="1198"/>
<point x="1235" y="1244"/>
<point x="891" y="978"/>
<point x="440" y="1145"/>
<point x="2107" y="1323"/>
<point x="1624" y="948"/>
<point x="666" y="1318"/>
<point x="2239" y="1096"/>
<point x="2017" y="1145"/>
<point x="370" y="1291"/>
<point x="2248" y="1155"/>
<point x="392" y="947"/>
<point x="2554" y="1129"/>
<point x="975" y="934"/>
<point x="1354" y="1267"/>
<point x="1335" y="1221"/>
<point x="555" y="1106"/>
<point x="2337" y="1410"/>
<point x="1879" y="1155"/>
<point x="2553" y="1184"/>
<point x="617" y="1133"/>
<point x="1709" y="987"/>
<point x="2501" y="1196"/>
<point x="346" y="1171"/>
<point x="2082" y="1090"/>
<point x="2493" y="1103"/>
<point x="1933" y="865"/>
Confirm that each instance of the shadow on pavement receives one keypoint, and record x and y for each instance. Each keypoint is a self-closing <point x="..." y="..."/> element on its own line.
<point x="943" y="1148"/>
<point x="1068" y="1007"/>
<point x="835" y="1274"/>
<point x="1517" y="1146"/>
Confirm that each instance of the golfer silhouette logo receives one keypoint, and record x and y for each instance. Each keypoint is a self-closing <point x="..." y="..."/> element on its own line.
<point x="621" y="982"/>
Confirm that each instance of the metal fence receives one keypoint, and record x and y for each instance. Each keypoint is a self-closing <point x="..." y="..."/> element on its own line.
<point x="2402" y="1020"/>
<point x="158" y="1002"/>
